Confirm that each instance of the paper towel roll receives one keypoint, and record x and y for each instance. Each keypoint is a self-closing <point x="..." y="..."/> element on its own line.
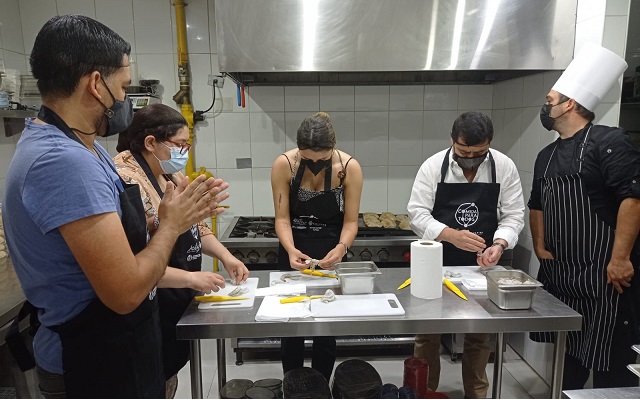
<point x="426" y="269"/>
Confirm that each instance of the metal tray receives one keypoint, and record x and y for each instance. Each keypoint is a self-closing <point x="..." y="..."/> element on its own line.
<point x="357" y="277"/>
<point x="511" y="296"/>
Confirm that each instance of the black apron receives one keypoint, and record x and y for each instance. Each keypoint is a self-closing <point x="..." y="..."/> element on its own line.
<point x="186" y="255"/>
<point x="466" y="206"/>
<point x="316" y="217"/>
<point x="581" y="243"/>
<point x="106" y="354"/>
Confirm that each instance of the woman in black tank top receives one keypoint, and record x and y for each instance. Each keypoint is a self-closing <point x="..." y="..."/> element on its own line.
<point x="316" y="195"/>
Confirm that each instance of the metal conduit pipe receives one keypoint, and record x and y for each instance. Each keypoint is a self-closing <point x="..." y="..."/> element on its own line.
<point x="183" y="99"/>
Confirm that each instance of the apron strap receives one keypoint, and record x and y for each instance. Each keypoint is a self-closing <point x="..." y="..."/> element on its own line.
<point x="445" y="166"/>
<point x="327" y="177"/>
<point x="493" y="167"/>
<point x="50" y="117"/>
<point x="147" y="170"/>
<point x="15" y="343"/>
<point x="582" y="146"/>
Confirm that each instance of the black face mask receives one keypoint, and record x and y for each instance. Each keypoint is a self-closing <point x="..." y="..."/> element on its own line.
<point x="317" y="166"/>
<point x="119" y="115"/>
<point x="469" y="163"/>
<point x="545" y="116"/>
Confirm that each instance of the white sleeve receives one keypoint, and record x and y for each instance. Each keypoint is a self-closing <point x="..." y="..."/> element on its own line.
<point x="421" y="203"/>
<point x="511" y="207"/>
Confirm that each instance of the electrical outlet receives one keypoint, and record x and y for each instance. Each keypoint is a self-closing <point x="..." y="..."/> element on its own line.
<point x="216" y="80"/>
<point x="243" y="163"/>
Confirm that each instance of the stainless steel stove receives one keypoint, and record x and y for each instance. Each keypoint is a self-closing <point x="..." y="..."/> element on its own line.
<point x="253" y="240"/>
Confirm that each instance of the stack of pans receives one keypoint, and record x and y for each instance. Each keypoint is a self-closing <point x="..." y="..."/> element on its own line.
<point x="246" y="389"/>
<point x="275" y="385"/>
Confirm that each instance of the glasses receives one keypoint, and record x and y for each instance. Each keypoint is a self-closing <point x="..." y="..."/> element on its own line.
<point x="184" y="148"/>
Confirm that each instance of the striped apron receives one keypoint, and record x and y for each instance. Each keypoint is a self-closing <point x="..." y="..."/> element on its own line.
<point x="582" y="244"/>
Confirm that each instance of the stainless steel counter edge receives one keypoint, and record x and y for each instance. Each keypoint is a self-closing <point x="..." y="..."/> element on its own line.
<point x="447" y="314"/>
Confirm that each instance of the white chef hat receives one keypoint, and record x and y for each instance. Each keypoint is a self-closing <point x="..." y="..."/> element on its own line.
<point x="591" y="74"/>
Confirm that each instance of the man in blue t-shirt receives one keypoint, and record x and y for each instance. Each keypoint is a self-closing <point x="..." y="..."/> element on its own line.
<point x="72" y="226"/>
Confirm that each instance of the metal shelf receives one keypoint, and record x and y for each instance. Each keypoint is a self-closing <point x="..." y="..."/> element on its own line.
<point x="268" y="343"/>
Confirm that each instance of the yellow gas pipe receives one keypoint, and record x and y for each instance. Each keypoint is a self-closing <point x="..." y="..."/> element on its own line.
<point x="183" y="99"/>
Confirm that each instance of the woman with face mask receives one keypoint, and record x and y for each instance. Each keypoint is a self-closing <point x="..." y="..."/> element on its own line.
<point x="316" y="196"/>
<point x="152" y="152"/>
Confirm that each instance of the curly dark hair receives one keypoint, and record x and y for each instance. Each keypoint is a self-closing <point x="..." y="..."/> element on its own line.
<point x="158" y="120"/>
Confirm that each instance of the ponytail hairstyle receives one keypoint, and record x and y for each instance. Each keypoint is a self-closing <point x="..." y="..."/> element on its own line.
<point x="157" y="120"/>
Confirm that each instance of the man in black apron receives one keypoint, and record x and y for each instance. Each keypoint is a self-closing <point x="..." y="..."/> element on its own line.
<point x="107" y="343"/>
<point x="470" y="198"/>
<point x="585" y="215"/>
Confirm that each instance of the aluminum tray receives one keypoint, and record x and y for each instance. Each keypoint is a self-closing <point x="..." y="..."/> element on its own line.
<point x="357" y="277"/>
<point x="511" y="296"/>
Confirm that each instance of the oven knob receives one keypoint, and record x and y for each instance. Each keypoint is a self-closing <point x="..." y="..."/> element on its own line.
<point x="350" y="255"/>
<point x="406" y="256"/>
<point x="254" y="257"/>
<point x="366" y="255"/>
<point x="383" y="255"/>
<point x="271" y="257"/>
<point x="238" y="255"/>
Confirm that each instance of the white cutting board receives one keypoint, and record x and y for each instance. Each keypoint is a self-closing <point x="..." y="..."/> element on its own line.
<point x="308" y="280"/>
<point x="470" y="272"/>
<point x="251" y="284"/>
<point x="358" y="305"/>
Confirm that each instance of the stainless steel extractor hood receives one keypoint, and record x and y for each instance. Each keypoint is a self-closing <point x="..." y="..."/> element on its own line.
<point x="392" y="41"/>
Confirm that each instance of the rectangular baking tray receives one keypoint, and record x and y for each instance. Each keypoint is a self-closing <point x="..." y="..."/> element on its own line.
<point x="511" y="296"/>
<point x="357" y="277"/>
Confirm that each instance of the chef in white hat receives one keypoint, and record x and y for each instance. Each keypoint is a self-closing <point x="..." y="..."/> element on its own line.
<point x="585" y="216"/>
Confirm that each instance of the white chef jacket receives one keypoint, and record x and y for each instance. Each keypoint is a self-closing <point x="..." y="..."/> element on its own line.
<point x="510" y="200"/>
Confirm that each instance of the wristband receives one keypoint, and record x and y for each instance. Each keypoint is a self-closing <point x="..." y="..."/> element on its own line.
<point x="346" y="248"/>
<point x="156" y="221"/>
<point x="501" y="245"/>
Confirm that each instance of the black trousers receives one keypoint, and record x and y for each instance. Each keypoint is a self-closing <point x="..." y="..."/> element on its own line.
<point x="576" y="375"/>
<point x="322" y="359"/>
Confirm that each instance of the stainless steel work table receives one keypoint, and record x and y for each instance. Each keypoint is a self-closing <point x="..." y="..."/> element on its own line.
<point x="449" y="314"/>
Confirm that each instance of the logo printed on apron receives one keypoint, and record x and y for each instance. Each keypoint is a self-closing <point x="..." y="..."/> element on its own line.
<point x="467" y="214"/>
<point x="458" y="206"/>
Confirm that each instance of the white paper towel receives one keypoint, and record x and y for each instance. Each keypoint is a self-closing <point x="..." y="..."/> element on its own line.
<point x="426" y="269"/>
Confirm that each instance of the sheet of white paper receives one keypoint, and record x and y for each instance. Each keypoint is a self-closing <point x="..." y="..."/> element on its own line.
<point x="272" y="311"/>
